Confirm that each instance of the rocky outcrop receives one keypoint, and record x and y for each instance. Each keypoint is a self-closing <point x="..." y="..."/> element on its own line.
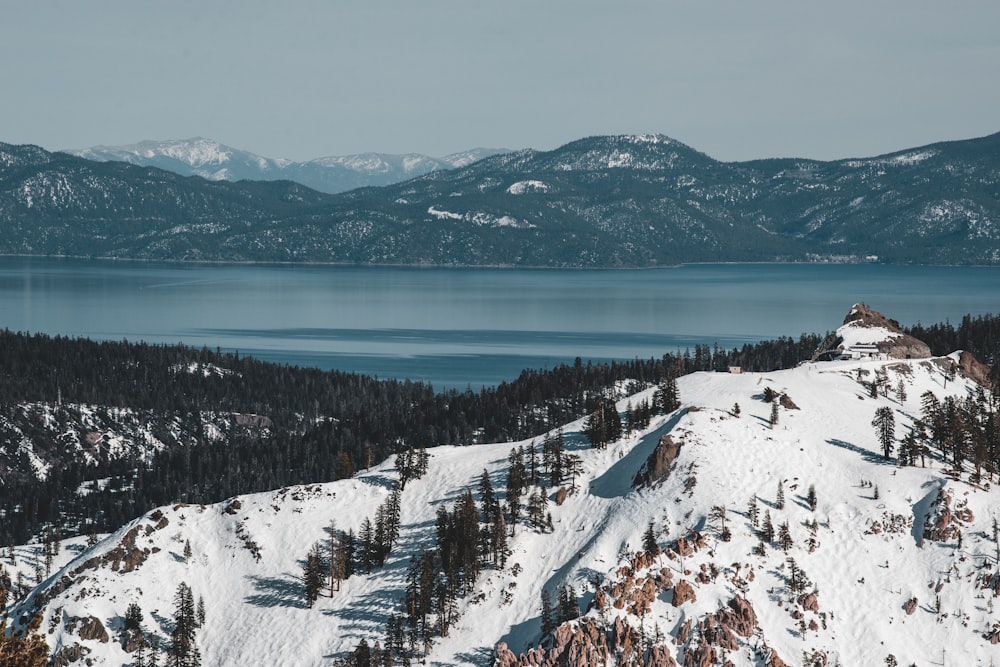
<point x="683" y="592"/>
<point x="910" y="606"/>
<point x="974" y="369"/>
<point x="738" y="616"/>
<point x="658" y="465"/>
<point x="809" y="602"/>
<point x="775" y="661"/>
<point x="867" y="326"/>
<point x="944" y="522"/>
<point x="583" y="643"/>
<point x="701" y="656"/>
<point x="90" y="628"/>
<point x="69" y="654"/>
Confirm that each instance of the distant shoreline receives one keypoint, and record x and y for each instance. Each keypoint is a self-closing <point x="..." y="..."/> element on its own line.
<point x="494" y="267"/>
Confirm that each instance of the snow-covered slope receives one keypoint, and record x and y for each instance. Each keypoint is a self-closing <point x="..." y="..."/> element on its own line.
<point x="870" y="558"/>
<point x="215" y="161"/>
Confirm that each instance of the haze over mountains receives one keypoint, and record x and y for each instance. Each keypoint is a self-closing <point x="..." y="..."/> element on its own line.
<point x="218" y="162"/>
<point x="616" y="201"/>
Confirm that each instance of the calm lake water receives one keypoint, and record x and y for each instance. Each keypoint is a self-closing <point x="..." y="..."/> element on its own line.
<point x="467" y="327"/>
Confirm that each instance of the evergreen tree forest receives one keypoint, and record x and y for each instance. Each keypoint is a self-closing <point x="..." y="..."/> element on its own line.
<point x="287" y="425"/>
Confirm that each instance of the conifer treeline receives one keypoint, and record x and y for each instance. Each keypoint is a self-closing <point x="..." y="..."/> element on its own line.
<point x="323" y="425"/>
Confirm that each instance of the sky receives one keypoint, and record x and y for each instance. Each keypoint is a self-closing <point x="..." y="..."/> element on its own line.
<point x="305" y="79"/>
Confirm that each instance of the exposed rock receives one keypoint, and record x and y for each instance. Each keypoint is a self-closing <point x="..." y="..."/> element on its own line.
<point x="910" y="606"/>
<point x="702" y="656"/>
<point x="659" y="656"/>
<point x="504" y="656"/>
<point x="809" y="602"/>
<point x="683" y="592"/>
<point x="657" y="466"/>
<point x="738" y="616"/>
<point x="232" y="507"/>
<point x="775" y="661"/>
<point x="561" y="495"/>
<point x="686" y="546"/>
<point x="69" y="654"/>
<point x="885" y="337"/>
<point x="943" y="523"/>
<point x="974" y="369"/>
<point x="91" y="628"/>
<point x="684" y="632"/>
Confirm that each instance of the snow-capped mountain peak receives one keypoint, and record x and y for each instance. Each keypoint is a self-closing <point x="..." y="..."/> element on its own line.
<point x="213" y="160"/>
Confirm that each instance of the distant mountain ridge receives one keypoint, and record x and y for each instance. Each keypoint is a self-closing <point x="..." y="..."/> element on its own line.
<point x="610" y="201"/>
<point x="217" y="162"/>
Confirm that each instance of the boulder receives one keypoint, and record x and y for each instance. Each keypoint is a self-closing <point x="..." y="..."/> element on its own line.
<point x="92" y="628"/>
<point x="683" y="592"/>
<point x="657" y="466"/>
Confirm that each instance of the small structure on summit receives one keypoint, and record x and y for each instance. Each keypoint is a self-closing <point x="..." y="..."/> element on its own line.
<point x="868" y="334"/>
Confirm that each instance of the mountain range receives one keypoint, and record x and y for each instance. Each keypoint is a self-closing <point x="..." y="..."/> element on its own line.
<point x="766" y="522"/>
<point x="218" y="162"/>
<point x="613" y="201"/>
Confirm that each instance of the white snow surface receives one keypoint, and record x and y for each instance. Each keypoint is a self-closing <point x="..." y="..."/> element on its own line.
<point x="854" y="333"/>
<point x="524" y="187"/>
<point x="255" y="613"/>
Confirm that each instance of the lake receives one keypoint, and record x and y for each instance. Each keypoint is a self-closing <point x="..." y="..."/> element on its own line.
<point x="467" y="327"/>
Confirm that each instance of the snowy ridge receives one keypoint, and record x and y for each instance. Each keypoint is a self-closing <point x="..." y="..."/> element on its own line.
<point x="866" y="508"/>
<point x="216" y="161"/>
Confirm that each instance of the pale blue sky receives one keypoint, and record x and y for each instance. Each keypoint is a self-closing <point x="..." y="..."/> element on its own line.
<point x="735" y="79"/>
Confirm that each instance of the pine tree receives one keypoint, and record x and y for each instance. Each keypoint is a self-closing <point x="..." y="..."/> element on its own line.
<point x="367" y="537"/>
<point x="784" y="536"/>
<point x="718" y="515"/>
<point x="187" y="551"/>
<point x="515" y="487"/>
<point x="649" y="544"/>
<point x="753" y="511"/>
<point x="811" y="497"/>
<point x="572" y="466"/>
<point x="779" y="502"/>
<point x="885" y="429"/>
<point x="312" y="575"/>
<point x="547" y="625"/>
<point x="900" y="390"/>
<point x="667" y="397"/>
<point x="183" y="651"/>
<point x="767" y="531"/>
<point x="133" y="617"/>
<point x="28" y="650"/>
<point x="537" y="507"/>
<point x="569" y="605"/>
<point x="773" y="421"/>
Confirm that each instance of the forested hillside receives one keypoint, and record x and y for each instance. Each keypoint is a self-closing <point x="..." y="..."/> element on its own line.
<point x="93" y="433"/>
<point x="612" y="201"/>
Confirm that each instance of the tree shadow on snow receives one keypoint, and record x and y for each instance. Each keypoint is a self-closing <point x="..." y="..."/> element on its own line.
<point x="375" y="479"/>
<point x="366" y="613"/>
<point x="477" y="656"/>
<point x="284" y="591"/>
<point x="617" y="480"/>
<point x="867" y="455"/>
